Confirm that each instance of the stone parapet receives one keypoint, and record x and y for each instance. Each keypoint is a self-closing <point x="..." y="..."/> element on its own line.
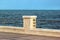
<point x="29" y="27"/>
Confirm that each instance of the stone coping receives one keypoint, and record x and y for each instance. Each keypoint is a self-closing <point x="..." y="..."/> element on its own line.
<point x="29" y="16"/>
<point x="52" y="30"/>
<point x="11" y="27"/>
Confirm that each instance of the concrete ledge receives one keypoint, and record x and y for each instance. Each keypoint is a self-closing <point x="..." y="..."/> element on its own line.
<point x="12" y="29"/>
<point x="51" y="30"/>
<point x="20" y="30"/>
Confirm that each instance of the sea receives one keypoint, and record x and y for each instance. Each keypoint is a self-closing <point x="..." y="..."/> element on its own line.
<point x="48" y="19"/>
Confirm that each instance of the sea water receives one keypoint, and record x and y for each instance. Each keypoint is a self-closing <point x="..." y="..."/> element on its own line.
<point x="45" y="18"/>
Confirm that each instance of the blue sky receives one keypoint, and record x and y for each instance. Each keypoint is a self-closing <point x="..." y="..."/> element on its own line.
<point x="30" y="4"/>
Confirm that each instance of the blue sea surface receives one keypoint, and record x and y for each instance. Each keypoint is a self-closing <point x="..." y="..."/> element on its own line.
<point x="49" y="19"/>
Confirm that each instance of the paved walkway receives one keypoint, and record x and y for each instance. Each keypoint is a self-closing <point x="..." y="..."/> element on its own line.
<point x="11" y="36"/>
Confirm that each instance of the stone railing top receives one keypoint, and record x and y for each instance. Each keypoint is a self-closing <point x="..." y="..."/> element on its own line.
<point x="29" y="16"/>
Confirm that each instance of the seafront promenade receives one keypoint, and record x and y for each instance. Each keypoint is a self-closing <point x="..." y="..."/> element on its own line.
<point x="28" y="31"/>
<point x="29" y="27"/>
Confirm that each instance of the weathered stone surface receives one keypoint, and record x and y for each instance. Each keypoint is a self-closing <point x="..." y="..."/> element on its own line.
<point x="12" y="36"/>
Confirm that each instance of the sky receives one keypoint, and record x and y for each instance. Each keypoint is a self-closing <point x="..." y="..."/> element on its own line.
<point x="30" y="4"/>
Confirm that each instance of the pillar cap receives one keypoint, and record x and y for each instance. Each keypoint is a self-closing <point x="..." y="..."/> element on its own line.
<point x="29" y="16"/>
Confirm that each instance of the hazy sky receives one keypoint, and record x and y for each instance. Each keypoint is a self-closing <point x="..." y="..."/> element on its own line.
<point x="30" y="4"/>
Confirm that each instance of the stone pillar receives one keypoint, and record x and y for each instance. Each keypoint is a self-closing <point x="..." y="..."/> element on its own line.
<point x="29" y="22"/>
